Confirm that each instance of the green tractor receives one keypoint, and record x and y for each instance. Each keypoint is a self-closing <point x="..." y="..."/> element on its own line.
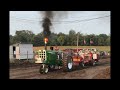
<point x="49" y="59"/>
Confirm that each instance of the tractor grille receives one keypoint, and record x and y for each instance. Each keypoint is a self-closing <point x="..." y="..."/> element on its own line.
<point x="42" y="54"/>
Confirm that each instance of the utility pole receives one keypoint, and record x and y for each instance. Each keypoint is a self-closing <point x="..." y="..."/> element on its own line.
<point x="45" y="46"/>
<point x="77" y="41"/>
<point x="90" y="41"/>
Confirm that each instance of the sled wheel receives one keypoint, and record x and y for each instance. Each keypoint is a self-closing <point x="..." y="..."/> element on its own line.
<point x="93" y="62"/>
<point x="82" y="65"/>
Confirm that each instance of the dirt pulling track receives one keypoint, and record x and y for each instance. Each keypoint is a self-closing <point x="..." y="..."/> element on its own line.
<point x="100" y="71"/>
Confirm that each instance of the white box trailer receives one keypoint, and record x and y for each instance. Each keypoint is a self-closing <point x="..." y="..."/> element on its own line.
<point x="21" y="51"/>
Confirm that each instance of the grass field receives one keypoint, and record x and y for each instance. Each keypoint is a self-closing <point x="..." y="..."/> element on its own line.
<point x="100" y="48"/>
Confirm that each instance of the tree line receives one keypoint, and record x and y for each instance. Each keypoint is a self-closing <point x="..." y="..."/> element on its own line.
<point x="60" y="39"/>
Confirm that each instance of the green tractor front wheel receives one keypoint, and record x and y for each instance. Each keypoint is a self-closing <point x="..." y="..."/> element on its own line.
<point x="43" y="69"/>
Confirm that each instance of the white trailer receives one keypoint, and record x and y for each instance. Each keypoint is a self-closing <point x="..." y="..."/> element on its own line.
<point x="21" y="51"/>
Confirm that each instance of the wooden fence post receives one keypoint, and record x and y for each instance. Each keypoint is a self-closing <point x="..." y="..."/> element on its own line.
<point x="27" y="55"/>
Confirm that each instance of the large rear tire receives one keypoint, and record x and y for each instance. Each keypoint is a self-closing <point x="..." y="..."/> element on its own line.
<point x="68" y="63"/>
<point x="43" y="69"/>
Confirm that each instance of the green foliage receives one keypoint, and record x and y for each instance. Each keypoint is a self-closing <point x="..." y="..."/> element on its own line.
<point x="72" y="38"/>
<point x="61" y="39"/>
<point x="26" y="36"/>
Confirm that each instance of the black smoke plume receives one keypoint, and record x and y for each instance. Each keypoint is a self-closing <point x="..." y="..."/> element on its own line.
<point x="48" y="15"/>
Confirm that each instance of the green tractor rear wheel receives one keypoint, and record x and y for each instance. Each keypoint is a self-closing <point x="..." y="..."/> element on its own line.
<point x="43" y="69"/>
<point x="68" y="64"/>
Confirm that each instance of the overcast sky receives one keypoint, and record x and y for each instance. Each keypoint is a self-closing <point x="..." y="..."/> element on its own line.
<point x="86" y="22"/>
